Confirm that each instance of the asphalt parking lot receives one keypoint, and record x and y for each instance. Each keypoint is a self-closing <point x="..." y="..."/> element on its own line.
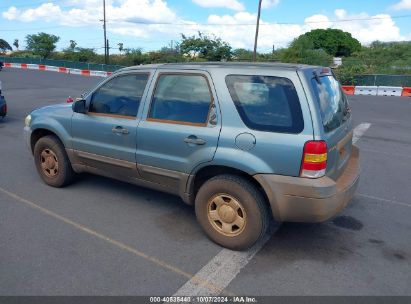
<point x="104" y="237"/>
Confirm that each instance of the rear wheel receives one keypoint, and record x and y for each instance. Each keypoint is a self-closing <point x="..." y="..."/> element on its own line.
<point x="52" y="162"/>
<point x="232" y="211"/>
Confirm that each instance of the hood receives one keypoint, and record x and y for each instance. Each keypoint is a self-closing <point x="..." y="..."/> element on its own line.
<point x="63" y="109"/>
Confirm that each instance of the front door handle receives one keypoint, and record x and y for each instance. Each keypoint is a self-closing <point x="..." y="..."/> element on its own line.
<point x="192" y="139"/>
<point x="120" y="130"/>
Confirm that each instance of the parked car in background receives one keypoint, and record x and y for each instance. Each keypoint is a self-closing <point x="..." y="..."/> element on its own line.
<point x="1" y="65"/>
<point x="3" y="104"/>
<point x="243" y="143"/>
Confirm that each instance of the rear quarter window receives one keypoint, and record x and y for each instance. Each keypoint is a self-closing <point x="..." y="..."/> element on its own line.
<point x="266" y="103"/>
<point x="331" y="100"/>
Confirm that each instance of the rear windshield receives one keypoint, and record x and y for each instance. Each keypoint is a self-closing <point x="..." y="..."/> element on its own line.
<point x="332" y="102"/>
<point x="266" y="103"/>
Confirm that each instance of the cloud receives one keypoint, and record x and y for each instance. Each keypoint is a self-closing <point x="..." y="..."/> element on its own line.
<point x="402" y="5"/>
<point x="380" y="27"/>
<point x="136" y="18"/>
<point x="239" y="30"/>
<point x="230" y="4"/>
<point x="46" y="11"/>
<point x="269" y="3"/>
<point x="91" y="11"/>
<point x="318" y="22"/>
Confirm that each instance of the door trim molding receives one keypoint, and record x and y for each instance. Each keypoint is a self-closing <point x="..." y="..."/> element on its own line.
<point x="105" y="159"/>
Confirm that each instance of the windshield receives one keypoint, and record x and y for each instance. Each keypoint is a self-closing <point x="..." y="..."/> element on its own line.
<point x="332" y="101"/>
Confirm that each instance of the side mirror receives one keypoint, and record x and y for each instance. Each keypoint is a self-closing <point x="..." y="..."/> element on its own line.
<point x="79" y="106"/>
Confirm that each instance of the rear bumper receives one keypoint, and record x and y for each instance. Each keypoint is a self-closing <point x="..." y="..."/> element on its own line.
<point x="295" y="199"/>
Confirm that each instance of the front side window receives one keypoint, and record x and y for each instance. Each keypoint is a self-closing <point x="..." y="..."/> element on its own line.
<point x="266" y="103"/>
<point x="181" y="98"/>
<point x="120" y="96"/>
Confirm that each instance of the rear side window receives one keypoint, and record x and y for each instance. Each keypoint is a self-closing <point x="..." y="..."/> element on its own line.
<point x="332" y="102"/>
<point x="266" y="103"/>
<point x="120" y="96"/>
<point x="181" y="98"/>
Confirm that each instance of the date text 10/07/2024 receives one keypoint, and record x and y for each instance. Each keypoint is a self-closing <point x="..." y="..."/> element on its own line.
<point x="199" y="299"/>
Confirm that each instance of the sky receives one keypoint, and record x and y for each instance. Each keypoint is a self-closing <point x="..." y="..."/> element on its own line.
<point x="152" y="24"/>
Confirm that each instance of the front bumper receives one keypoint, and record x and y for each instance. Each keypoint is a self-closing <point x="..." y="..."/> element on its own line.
<point x="296" y="199"/>
<point x="27" y="137"/>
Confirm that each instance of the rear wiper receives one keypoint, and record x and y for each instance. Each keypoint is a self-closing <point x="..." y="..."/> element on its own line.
<point x="316" y="77"/>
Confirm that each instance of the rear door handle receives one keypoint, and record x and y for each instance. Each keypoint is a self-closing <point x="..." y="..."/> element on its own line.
<point x="192" y="139"/>
<point x="120" y="130"/>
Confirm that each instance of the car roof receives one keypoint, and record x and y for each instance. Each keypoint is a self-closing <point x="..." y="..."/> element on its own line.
<point x="219" y="65"/>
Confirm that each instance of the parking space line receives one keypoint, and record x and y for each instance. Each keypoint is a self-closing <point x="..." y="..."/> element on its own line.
<point x="383" y="199"/>
<point x="207" y="285"/>
<point x="360" y="130"/>
<point x="223" y="268"/>
<point x="227" y="264"/>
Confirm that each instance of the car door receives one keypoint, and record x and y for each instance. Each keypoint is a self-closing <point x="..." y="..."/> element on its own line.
<point x="105" y="137"/>
<point x="180" y="128"/>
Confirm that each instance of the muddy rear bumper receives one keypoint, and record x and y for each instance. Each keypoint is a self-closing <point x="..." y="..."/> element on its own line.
<point x="295" y="199"/>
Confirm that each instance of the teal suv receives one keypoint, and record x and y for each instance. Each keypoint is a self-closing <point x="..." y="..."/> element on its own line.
<point x="243" y="143"/>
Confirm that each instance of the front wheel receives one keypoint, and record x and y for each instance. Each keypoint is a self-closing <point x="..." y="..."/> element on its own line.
<point x="232" y="211"/>
<point x="52" y="162"/>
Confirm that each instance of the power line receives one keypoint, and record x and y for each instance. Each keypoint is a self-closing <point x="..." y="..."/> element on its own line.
<point x="218" y="24"/>
<point x="262" y="24"/>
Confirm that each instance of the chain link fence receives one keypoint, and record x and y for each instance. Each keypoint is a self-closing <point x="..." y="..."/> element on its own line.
<point x="358" y="80"/>
<point x="63" y="63"/>
<point x="382" y="80"/>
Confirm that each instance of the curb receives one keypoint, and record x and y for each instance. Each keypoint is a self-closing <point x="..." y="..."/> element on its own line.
<point x="51" y="68"/>
<point x="377" y="90"/>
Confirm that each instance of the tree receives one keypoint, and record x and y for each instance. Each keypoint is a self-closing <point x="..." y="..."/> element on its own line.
<point x="42" y="44"/>
<point x="302" y="50"/>
<point x="4" y="46"/>
<point x="205" y="47"/>
<point x="243" y="55"/>
<point x="84" y="55"/>
<point x="120" y="47"/>
<point x="73" y="45"/>
<point x="334" y="42"/>
<point x="16" y="44"/>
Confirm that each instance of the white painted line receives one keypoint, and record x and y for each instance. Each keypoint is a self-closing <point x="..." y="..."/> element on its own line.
<point x="223" y="268"/>
<point x="383" y="199"/>
<point x="360" y="130"/>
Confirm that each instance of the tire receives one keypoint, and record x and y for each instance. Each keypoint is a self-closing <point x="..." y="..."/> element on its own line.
<point x="52" y="162"/>
<point x="245" y="202"/>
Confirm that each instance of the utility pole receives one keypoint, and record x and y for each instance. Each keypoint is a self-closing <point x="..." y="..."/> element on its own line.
<point x="105" y="34"/>
<point x="108" y="52"/>
<point x="256" y="31"/>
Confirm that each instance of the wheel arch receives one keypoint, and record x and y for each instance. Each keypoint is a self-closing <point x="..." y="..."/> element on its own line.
<point x="197" y="179"/>
<point x="39" y="133"/>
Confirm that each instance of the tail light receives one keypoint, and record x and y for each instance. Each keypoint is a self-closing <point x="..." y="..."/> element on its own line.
<point x="314" y="162"/>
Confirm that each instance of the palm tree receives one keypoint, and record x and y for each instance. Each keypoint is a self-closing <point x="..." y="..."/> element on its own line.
<point x="16" y="44"/>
